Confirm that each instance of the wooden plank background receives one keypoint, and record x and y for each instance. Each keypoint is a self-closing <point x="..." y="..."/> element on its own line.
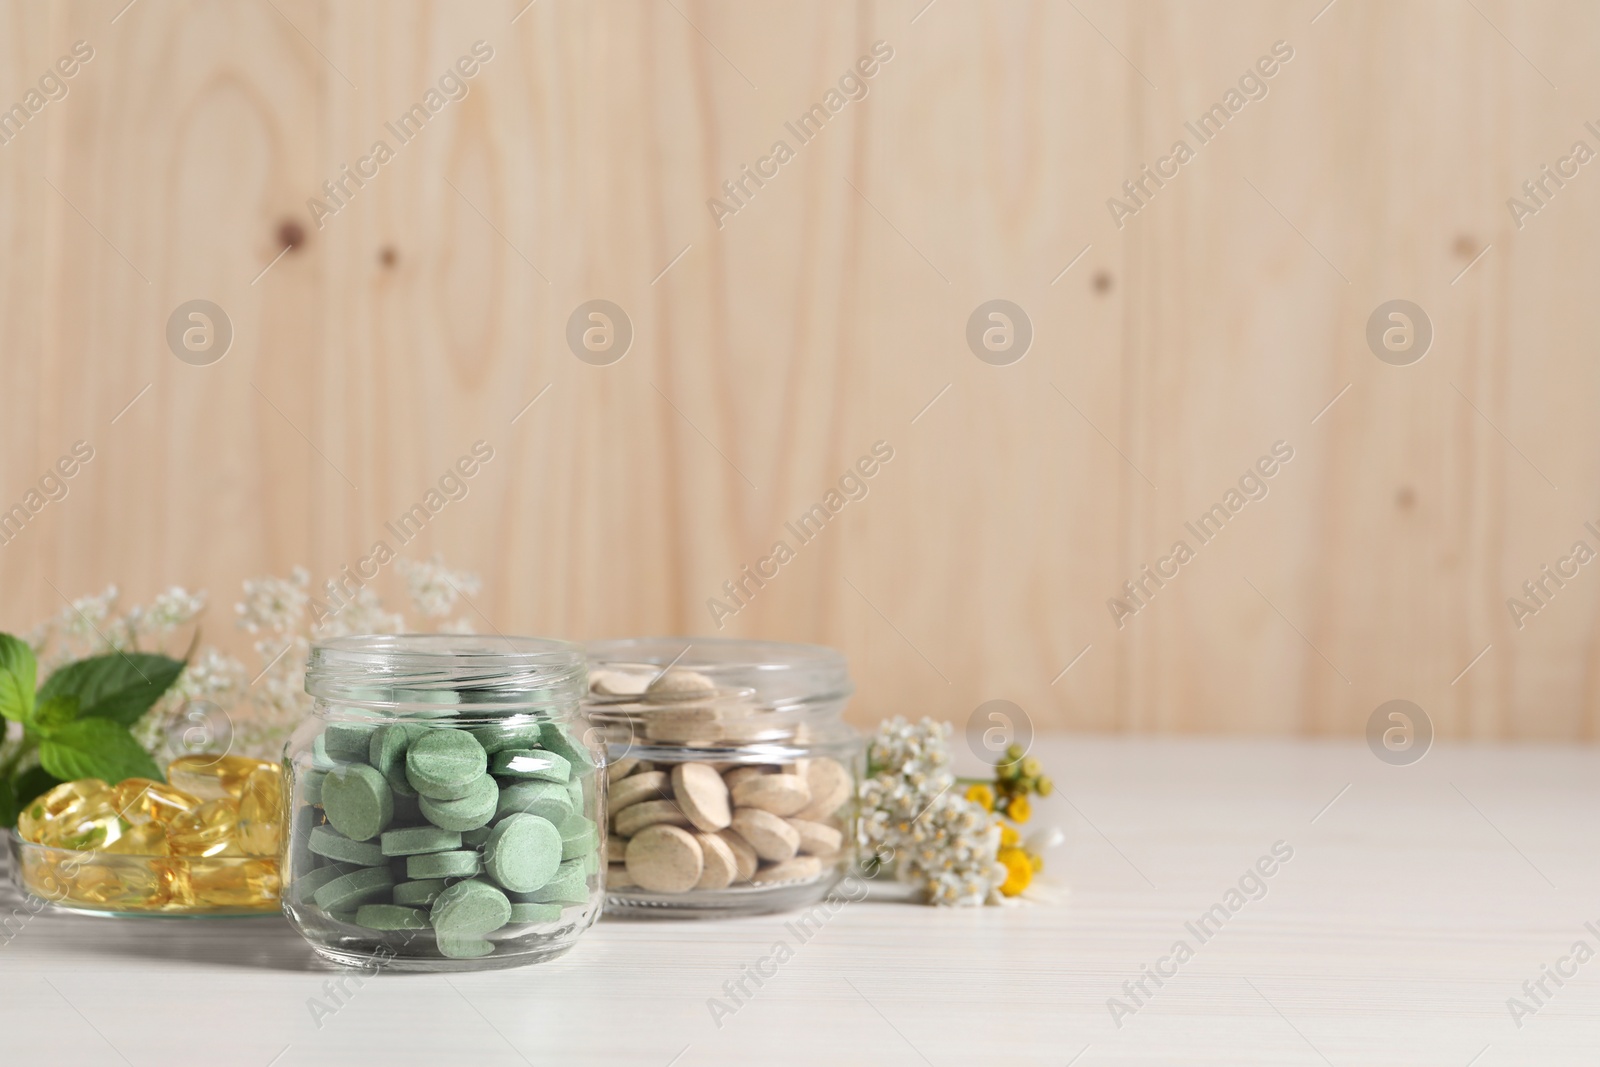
<point x="827" y="314"/>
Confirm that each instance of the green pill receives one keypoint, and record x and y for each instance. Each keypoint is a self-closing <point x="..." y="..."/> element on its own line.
<point x="353" y="889"/>
<point x="328" y="842"/>
<point x="558" y="739"/>
<point x="311" y="786"/>
<point x="320" y="760"/>
<point x="575" y="791"/>
<point x="475" y="838"/>
<point x="420" y="893"/>
<point x="415" y="840"/>
<point x="578" y="837"/>
<point x="464" y="948"/>
<point x="523" y="852"/>
<point x="391" y="917"/>
<point x="445" y="764"/>
<point x="533" y="763"/>
<point x="357" y="801"/>
<point x="348" y="741"/>
<point x="495" y="738"/>
<point x="470" y="812"/>
<point x="469" y="909"/>
<point x="307" y="884"/>
<point x="535" y="913"/>
<point x="569" y="886"/>
<point x="387" y="753"/>
<point x="443" y="865"/>
<point x="548" y="800"/>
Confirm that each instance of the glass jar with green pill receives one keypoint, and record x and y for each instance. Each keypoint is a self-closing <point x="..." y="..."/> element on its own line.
<point x="731" y="774"/>
<point x="443" y="803"/>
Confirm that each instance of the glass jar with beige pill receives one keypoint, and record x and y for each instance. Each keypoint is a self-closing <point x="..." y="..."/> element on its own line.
<point x="444" y="805"/>
<point x="731" y="774"/>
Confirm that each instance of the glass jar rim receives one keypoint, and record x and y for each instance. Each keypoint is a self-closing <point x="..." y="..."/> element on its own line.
<point x="495" y="668"/>
<point x="806" y="674"/>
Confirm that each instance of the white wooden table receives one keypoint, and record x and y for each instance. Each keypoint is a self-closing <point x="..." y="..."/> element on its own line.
<point x="1413" y="907"/>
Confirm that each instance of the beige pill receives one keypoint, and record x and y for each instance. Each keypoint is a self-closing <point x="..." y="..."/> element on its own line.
<point x="631" y="820"/>
<point x="699" y="791"/>
<point x="682" y="733"/>
<point x="616" y="849"/>
<point x="636" y="787"/>
<point x="677" y="715"/>
<point x="621" y="769"/>
<point x="745" y="859"/>
<point x="618" y="683"/>
<point x="720" y="865"/>
<point x="830" y="787"/>
<point x="617" y="876"/>
<point x="799" y="869"/>
<point x="739" y="774"/>
<point x="769" y="835"/>
<point x="817" y="839"/>
<point x="679" y="683"/>
<point x="665" y="859"/>
<point x="781" y="794"/>
<point x="755" y="728"/>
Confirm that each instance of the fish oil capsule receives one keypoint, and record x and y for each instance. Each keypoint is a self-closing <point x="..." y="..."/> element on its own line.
<point x="233" y="883"/>
<point x="208" y="830"/>
<point x="94" y="824"/>
<point x="124" y="882"/>
<point x="261" y="812"/>
<point x="47" y="807"/>
<point x="141" y="800"/>
<point x="142" y="839"/>
<point x="210" y="776"/>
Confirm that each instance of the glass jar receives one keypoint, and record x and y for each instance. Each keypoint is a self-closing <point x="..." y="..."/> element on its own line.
<point x="732" y="776"/>
<point x="444" y="808"/>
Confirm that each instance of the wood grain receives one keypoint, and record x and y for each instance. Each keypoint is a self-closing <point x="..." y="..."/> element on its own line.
<point x="825" y="315"/>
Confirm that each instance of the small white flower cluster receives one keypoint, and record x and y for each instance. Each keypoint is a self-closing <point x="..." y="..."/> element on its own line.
<point x="935" y="839"/>
<point x="435" y="588"/>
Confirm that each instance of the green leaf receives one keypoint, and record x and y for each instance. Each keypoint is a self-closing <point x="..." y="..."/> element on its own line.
<point x="9" y="808"/>
<point x="33" y="782"/>
<point x="52" y="713"/>
<point x="96" y="748"/>
<point x="119" y="686"/>
<point x="18" y="670"/>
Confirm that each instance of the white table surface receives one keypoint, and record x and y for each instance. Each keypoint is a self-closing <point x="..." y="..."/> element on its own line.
<point x="1413" y="907"/>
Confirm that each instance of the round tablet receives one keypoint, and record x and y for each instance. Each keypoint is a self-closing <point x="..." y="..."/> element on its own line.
<point x="621" y="768"/>
<point x="523" y="852"/>
<point x="548" y="800"/>
<point x="497" y="737"/>
<point x="443" y="865"/>
<point x="631" y="790"/>
<point x="469" y="812"/>
<point x="744" y="856"/>
<point x="535" y="913"/>
<point x="701" y="794"/>
<point x="387" y="753"/>
<point x="771" y="837"/>
<point x="390" y="917"/>
<point x="415" y="840"/>
<point x="817" y="839"/>
<point x="781" y="794"/>
<point x="578" y="837"/>
<point x="445" y="764"/>
<point x="469" y="910"/>
<point x="631" y="820"/>
<point x="347" y="741"/>
<point x="664" y="859"/>
<point x="420" y="893"/>
<point x="357" y="801"/>
<point x="358" y="887"/>
<point x="830" y="787"/>
<point x="326" y="841"/>
<point x="739" y="774"/>
<point x="533" y="763"/>
<point x="463" y="948"/>
<point x="720" y="866"/>
<point x="569" y="886"/>
<point x="307" y="884"/>
<point x="679" y="683"/>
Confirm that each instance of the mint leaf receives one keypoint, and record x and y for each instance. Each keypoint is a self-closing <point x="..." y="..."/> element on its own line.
<point x="95" y="748"/>
<point x="31" y="783"/>
<point x="52" y="713"/>
<point x="17" y="673"/>
<point x="119" y="686"/>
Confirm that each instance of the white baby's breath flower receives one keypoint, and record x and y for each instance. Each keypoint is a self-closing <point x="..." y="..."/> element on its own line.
<point x="435" y="588"/>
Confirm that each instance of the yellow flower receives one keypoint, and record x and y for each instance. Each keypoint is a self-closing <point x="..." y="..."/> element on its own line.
<point x="981" y="794"/>
<point x="1037" y="861"/>
<point x="1019" y="870"/>
<point x="1008" y="836"/>
<point x="1018" y="810"/>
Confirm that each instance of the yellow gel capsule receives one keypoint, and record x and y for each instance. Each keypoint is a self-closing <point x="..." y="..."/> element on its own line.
<point x="210" y="776"/>
<point x="233" y="883"/>
<point x="207" y="830"/>
<point x="261" y="812"/>
<point x="47" y="807"/>
<point x="142" y="839"/>
<point x="94" y="824"/>
<point x="141" y="800"/>
<point x="133" y="883"/>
